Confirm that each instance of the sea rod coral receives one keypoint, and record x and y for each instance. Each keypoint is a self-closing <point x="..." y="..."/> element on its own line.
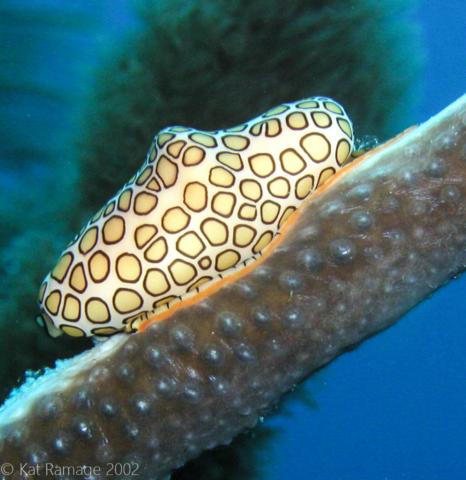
<point x="374" y="241"/>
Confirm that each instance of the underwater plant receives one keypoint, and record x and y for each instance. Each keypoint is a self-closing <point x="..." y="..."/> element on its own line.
<point x="213" y="64"/>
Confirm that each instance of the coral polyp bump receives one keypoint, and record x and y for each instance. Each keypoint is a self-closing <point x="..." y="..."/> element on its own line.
<point x="202" y="206"/>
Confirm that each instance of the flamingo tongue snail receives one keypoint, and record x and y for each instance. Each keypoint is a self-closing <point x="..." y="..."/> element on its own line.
<point x="202" y="206"/>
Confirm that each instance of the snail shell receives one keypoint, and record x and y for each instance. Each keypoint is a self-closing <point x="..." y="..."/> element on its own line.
<point x="202" y="205"/>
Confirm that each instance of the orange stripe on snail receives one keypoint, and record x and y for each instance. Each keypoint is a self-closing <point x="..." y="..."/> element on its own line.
<point x="201" y="207"/>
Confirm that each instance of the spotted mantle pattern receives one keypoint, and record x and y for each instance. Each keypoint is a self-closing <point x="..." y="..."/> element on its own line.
<point x="201" y="205"/>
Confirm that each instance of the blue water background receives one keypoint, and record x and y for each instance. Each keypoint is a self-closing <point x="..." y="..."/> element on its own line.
<point x="394" y="408"/>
